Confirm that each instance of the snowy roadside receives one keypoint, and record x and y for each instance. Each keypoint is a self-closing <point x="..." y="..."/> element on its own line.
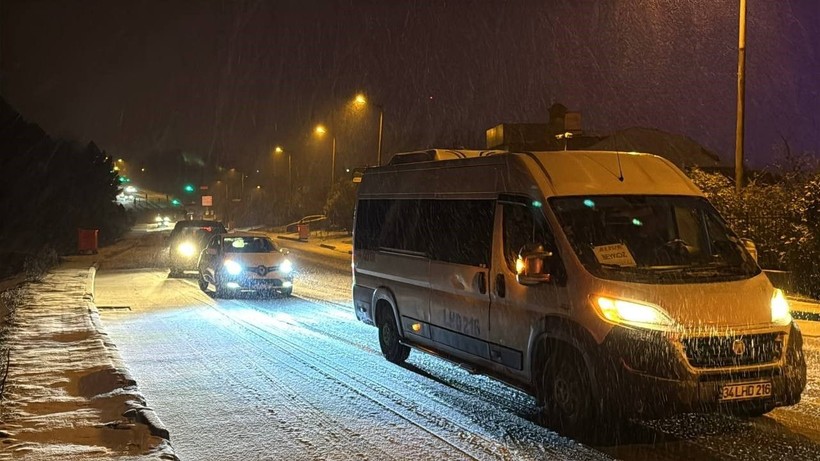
<point x="67" y="394"/>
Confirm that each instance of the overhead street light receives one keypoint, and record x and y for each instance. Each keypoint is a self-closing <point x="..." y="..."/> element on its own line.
<point x="279" y="150"/>
<point x="361" y="100"/>
<point x="321" y="131"/>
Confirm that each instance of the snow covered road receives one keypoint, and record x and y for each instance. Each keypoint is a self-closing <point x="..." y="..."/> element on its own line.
<point x="301" y="378"/>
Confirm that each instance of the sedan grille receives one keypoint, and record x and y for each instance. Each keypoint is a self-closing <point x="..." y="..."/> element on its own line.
<point x="730" y="351"/>
<point x="262" y="270"/>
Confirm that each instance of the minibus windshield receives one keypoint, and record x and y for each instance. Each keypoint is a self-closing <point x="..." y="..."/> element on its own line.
<point x="653" y="239"/>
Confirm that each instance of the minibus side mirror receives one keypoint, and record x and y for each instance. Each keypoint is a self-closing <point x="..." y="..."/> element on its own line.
<point x="532" y="265"/>
<point x="750" y="247"/>
<point x="284" y="251"/>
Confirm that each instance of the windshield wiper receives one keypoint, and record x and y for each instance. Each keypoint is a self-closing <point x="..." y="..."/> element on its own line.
<point x="714" y="269"/>
<point x="620" y="267"/>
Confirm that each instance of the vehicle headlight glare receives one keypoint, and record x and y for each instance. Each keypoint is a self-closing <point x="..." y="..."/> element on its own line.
<point x="780" y="308"/>
<point x="186" y="249"/>
<point x="232" y="267"/>
<point x="286" y="267"/>
<point x="633" y="313"/>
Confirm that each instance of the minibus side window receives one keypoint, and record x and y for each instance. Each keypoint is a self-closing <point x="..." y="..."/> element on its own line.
<point x="370" y="215"/>
<point x="402" y="223"/>
<point x="454" y="231"/>
<point x="460" y="231"/>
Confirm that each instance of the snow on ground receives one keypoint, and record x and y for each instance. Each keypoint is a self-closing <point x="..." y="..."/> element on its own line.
<point x="65" y="391"/>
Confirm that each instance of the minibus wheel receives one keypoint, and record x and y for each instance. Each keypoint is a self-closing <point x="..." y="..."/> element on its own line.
<point x="392" y="349"/>
<point x="565" y="391"/>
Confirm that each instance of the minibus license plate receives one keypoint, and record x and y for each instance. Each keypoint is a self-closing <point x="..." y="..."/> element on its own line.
<point x="746" y="391"/>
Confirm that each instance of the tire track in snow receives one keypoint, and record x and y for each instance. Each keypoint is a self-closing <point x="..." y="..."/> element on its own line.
<point x="296" y="414"/>
<point x="406" y="408"/>
<point x="299" y="353"/>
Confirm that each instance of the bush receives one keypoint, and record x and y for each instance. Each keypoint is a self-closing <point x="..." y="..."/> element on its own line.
<point x="781" y="214"/>
<point x="340" y="204"/>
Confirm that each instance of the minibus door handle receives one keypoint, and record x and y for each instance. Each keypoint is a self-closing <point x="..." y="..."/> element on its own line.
<point x="500" y="285"/>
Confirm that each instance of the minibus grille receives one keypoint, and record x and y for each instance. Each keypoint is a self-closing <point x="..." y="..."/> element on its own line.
<point x="730" y="351"/>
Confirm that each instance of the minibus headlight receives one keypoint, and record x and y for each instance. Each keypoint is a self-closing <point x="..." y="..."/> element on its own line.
<point x="633" y="313"/>
<point x="232" y="267"/>
<point x="286" y="267"/>
<point x="186" y="249"/>
<point x="780" y="308"/>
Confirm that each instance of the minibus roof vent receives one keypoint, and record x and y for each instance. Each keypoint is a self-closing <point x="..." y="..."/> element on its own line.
<point x="431" y="155"/>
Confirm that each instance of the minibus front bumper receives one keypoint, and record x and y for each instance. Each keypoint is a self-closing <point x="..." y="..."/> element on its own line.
<point x="648" y="374"/>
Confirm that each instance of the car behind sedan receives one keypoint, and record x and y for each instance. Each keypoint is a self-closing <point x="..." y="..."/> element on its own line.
<point x="187" y="240"/>
<point x="244" y="262"/>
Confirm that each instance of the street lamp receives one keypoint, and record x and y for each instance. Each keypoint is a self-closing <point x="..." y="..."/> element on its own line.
<point x="361" y="100"/>
<point x="279" y="150"/>
<point x="321" y="131"/>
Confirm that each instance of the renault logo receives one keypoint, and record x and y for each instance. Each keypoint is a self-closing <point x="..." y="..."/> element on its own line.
<point x="738" y="347"/>
<point x="262" y="270"/>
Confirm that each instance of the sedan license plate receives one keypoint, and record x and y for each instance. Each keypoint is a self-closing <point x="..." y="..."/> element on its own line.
<point x="741" y="391"/>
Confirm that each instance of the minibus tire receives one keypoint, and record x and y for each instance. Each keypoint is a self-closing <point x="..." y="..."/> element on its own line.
<point x="565" y="390"/>
<point x="392" y="349"/>
<point x="203" y="284"/>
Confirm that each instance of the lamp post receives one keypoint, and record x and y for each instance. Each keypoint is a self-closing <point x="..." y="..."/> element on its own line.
<point x="361" y="100"/>
<point x="321" y="131"/>
<point x="279" y="150"/>
<point x="741" y="92"/>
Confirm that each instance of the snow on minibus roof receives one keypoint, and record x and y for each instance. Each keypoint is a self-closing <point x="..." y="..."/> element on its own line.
<point x="577" y="172"/>
<point x="609" y="172"/>
<point x="431" y="155"/>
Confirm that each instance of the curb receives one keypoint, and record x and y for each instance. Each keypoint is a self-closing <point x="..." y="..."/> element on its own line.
<point x="137" y="410"/>
<point x="323" y="245"/>
<point x="292" y="239"/>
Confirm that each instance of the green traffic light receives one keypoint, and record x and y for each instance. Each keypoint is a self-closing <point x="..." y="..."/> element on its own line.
<point x="175" y="202"/>
<point x="189" y="188"/>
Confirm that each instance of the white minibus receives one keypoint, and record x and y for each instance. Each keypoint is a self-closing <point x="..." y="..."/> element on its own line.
<point x="603" y="283"/>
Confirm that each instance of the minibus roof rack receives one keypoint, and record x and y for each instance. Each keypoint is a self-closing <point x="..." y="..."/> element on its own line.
<point x="431" y="155"/>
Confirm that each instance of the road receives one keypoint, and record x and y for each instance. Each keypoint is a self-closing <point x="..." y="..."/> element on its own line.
<point x="300" y="378"/>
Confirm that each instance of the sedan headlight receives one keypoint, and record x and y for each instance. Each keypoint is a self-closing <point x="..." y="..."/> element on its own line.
<point x="232" y="267"/>
<point x="633" y="313"/>
<point x="286" y="267"/>
<point x="186" y="249"/>
<point x="781" y="314"/>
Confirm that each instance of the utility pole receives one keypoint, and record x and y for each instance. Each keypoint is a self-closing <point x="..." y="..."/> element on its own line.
<point x="741" y="94"/>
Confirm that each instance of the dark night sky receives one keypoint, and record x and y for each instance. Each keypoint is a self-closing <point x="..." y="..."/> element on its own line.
<point x="229" y="79"/>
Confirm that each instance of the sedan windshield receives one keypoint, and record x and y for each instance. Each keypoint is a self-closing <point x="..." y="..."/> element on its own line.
<point x="653" y="239"/>
<point x="249" y="245"/>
